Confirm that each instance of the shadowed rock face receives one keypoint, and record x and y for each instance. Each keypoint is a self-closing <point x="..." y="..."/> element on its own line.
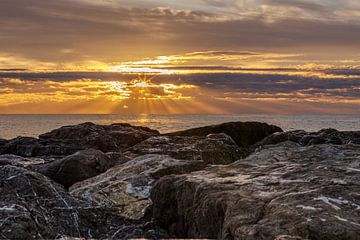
<point x="212" y="149"/>
<point x="325" y="136"/>
<point x="70" y="139"/>
<point x="126" y="188"/>
<point x="3" y="142"/>
<point x="79" y="166"/>
<point x="243" y="133"/>
<point x="34" y="207"/>
<point x="281" y="192"/>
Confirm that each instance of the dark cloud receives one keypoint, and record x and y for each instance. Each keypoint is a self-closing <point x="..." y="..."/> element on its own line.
<point x="40" y="30"/>
<point x="283" y="81"/>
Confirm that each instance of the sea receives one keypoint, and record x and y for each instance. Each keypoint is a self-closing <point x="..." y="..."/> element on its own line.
<point x="12" y="126"/>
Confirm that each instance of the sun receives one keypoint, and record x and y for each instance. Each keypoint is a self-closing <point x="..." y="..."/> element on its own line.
<point x="144" y="88"/>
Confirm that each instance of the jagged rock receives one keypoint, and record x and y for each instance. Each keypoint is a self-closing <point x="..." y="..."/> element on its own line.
<point x="329" y="136"/>
<point x="212" y="149"/>
<point x="70" y="139"/>
<point x="243" y="133"/>
<point x="8" y="159"/>
<point x="126" y="188"/>
<point x="79" y="166"/>
<point x="281" y="192"/>
<point x="34" y="207"/>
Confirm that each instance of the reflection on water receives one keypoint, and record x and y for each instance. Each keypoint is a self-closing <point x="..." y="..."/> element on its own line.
<point x="33" y="125"/>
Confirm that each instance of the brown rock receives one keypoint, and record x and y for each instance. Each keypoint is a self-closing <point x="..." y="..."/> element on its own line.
<point x="243" y="133"/>
<point x="212" y="149"/>
<point x="281" y="192"/>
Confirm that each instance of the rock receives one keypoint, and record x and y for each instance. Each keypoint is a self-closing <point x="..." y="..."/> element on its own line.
<point x="212" y="149"/>
<point x="105" y="138"/>
<point x="70" y="139"/>
<point x="243" y="133"/>
<point x="330" y="136"/>
<point x="34" y="207"/>
<point x="18" y="161"/>
<point x="280" y="192"/>
<point x="3" y="142"/>
<point x="126" y="188"/>
<point x="78" y="167"/>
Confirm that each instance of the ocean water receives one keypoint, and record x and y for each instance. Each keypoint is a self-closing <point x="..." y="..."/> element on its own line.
<point x="32" y="125"/>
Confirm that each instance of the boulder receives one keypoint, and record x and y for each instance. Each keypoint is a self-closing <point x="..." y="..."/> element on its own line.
<point x="212" y="149"/>
<point x="79" y="166"/>
<point x="70" y="139"/>
<point x="126" y="188"/>
<point x="34" y="207"/>
<point x="281" y="192"/>
<point x="243" y="133"/>
<point x="109" y="138"/>
<point x="324" y="136"/>
<point x="8" y="159"/>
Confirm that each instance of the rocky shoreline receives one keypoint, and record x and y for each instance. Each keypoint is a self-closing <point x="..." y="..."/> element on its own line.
<point x="238" y="180"/>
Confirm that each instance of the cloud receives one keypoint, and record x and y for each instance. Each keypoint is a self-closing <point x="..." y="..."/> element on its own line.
<point x="64" y="32"/>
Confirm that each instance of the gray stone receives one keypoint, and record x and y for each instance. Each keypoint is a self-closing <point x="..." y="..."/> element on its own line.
<point x="126" y="188"/>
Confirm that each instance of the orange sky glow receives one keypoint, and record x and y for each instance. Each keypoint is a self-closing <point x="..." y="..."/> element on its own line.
<point x="179" y="57"/>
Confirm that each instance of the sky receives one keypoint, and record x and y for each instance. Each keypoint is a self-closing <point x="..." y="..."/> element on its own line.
<point x="180" y="57"/>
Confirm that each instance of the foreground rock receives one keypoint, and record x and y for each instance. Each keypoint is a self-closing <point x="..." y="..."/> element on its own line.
<point x="212" y="149"/>
<point x="243" y="133"/>
<point x="325" y="136"/>
<point x="34" y="207"/>
<point x="126" y="188"/>
<point x="281" y="192"/>
<point x="70" y="139"/>
<point x="79" y="166"/>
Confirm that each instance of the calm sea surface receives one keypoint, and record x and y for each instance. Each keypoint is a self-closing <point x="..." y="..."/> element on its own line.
<point x="32" y="125"/>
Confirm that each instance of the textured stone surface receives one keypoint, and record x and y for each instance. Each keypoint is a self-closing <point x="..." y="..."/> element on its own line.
<point x="70" y="139"/>
<point x="34" y="207"/>
<point x="126" y="188"/>
<point x="282" y="192"/>
<point x="243" y="133"/>
<point x="212" y="149"/>
<point x="9" y="159"/>
<point x="79" y="166"/>
<point x="330" y="136"/>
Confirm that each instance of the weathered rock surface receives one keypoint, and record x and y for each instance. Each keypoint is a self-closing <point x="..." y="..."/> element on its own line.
<point x="8" y="159"/>
<point x="325" y="136"/>
<point x="126" y="188"/>
<point x="79" y="166"/>
<point x="212" y="149"/>
<point x="282" y="192"/>
<point x="34" y="207"/>
<point x="70" y="139"/>
<point x="243" y="133"/>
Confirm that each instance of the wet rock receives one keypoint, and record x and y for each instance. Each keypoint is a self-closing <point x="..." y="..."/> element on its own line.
<point x="280" y="192"/>
<point x="79" y="166"/>
<point x="126" y="188"/>
<point x="243" y="133"/>
<point x="212" y="149"/>
<point x="34" y="207"/>
<point x="325" y="136"/>
<point x="18" y="161"/>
